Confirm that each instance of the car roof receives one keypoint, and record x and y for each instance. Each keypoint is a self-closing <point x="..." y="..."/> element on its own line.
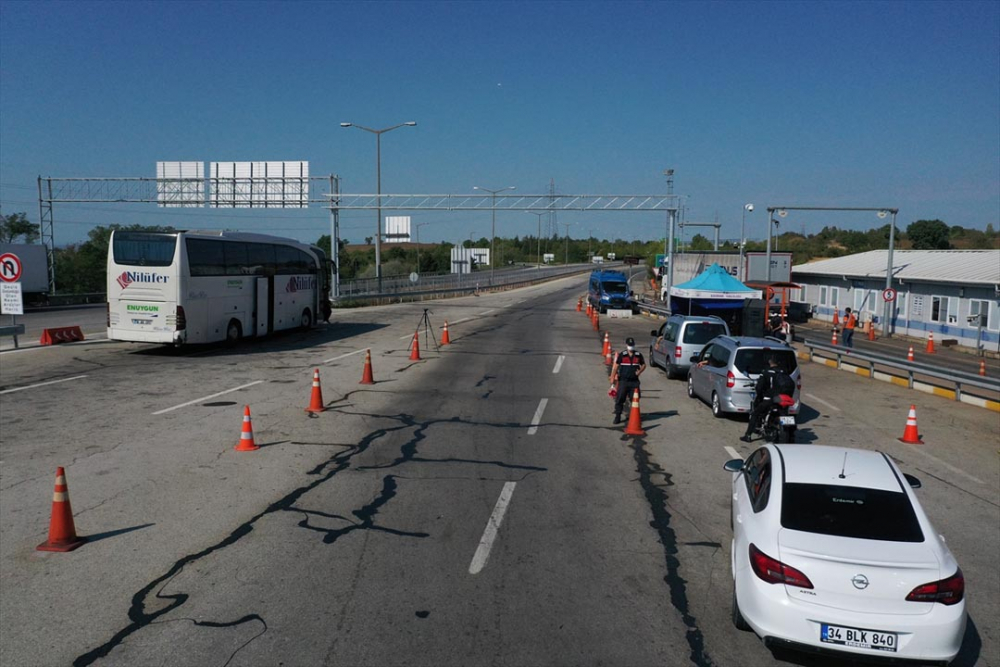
<point x="752" y="341"/>
<point x="819" y="464"/>
<point x="714" y="319"/>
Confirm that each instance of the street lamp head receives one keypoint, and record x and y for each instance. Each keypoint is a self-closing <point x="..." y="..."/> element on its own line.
<point x="411" y="123"/>
<point x="749" y="208"/>
<point x="346" y="124"/>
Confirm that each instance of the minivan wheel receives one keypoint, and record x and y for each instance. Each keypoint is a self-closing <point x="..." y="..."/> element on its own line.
<point x="691" y="387"/>
<point x="716" y="406"/>
<point x="233" y="332"/>
<point x="738" y="619"/>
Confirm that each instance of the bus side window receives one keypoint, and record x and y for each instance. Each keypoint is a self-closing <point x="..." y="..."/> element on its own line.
<point x="236" y="258"/>
<point x="285" y="259"/>
<point x="206" y="258"/>
<point x="261" y="259"/>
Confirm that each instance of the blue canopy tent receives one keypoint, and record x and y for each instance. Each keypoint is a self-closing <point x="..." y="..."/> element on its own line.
<point x="713" y="292"/>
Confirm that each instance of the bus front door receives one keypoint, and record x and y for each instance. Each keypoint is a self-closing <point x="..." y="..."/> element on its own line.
<point x="263" y="317"/>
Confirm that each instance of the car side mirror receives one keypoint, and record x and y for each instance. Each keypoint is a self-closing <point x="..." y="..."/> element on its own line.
<point x="733" y="465"/>
<point x="695" y="358"/>
<point x="912" y="481"/>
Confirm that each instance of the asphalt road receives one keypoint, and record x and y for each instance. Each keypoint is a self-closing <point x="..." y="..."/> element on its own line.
<point x="476" y="507"/>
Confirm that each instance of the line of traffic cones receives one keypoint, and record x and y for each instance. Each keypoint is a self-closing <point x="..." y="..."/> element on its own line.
<point x="607" y="344"/>
<point x="597" y="321"/>
<point x="62" y="530"/>
<point x="911" y="436"/>
<point x="634" y="426"/>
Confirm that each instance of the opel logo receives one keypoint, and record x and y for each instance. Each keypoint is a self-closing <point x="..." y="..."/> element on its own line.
<point x="860" y="582"/>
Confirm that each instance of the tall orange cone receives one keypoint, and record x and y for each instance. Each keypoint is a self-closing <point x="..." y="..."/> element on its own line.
<point x="445" y="338"/>
<point x="836" y="318"/>
<point x="833" y="341"/>
<point x="609" y="357"/>
<point x="982" y="367"/>
<point x="316" y="399"/>
<point x="62" y="531"/>
<point x="634" y="426"/>
<point x="597" y="321"/>
<point x="909" y="354"/>
<point x="607" y="344"/>
<point x="871" y="331"/>
<point x="910" y="434"/>
<point x="579" y="304"/>
<point x="366" y="374"/>
<point x="246" y="435"/>
<point x="589" y="309"/>
<point x="415" y="351"/>
<point x="930" y="343"/>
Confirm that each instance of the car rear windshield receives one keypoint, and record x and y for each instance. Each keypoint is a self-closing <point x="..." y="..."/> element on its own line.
<point x="144" y="249"/>
<point x="752" y="361"/>
<point x="699" y="333"/>
<point x="616" y="288"/>
<point x="846" y="511"/>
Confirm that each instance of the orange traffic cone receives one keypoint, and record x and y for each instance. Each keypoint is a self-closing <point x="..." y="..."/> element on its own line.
<point x="579" y="305"/>
<point x="589" y="309"/>
<point x="609" y="357"/>
<point x="366" y="374"/>
<point x="316" y="399"/>
<point x="607" y="344"/>
<point x="836" y="318"/>
<point x="930" y="343"/>
<point x="415" y="350"/>
<point x="982" y="367"/>
<point x="833" y="341"/>
<point x="634" y="426"/>
<point x="871" y="331"/>
<point x="597" y="321"/>
<point x="246" y="435"/>
<point x="910" y="435"/>
<point x="445" y="338"/>
<point x="62" y="531"/>
<point x="909" y="355"/>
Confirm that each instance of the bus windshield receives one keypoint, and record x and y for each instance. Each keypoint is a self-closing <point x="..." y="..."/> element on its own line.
<point x="144" y="249"/>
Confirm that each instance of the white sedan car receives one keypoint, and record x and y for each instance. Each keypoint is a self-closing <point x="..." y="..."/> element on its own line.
<point x="832" y="552"/>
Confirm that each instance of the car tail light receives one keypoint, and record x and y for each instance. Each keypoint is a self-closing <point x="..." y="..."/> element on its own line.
<point x="730" y="379"/>
<point x="775" y="572"/>
<point x="181" y="319"/>
<point x="946" y="591"/>
<point x="677" y="352"/>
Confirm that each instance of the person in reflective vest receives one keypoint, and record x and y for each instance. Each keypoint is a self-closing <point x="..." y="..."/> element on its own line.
<point x="626" y="370"/>
<point x="850" y="321"/>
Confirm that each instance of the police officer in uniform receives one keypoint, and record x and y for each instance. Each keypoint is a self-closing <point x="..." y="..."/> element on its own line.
<point x="626" y="370"/>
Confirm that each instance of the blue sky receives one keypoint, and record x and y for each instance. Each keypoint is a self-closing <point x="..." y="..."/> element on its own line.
<point x="776" y="103"/>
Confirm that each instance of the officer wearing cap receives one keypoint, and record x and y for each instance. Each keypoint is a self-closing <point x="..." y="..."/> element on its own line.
<point x="626" y="370"/>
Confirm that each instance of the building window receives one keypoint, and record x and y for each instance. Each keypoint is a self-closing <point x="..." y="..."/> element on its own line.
<point x="823" y="295"/>
<point x="943" y="310"/>
<point x="982" y="306"/>
<point x="835" y="297"/>
<point x="900" y="303"/>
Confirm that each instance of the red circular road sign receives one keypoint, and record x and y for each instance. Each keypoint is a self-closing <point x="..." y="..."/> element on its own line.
<point x="770" y="293"/>
<point x="10" y="267"/>
<point x="888" y="294"/>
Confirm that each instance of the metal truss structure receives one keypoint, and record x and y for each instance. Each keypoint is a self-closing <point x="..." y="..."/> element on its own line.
<point x="504" y="202"/>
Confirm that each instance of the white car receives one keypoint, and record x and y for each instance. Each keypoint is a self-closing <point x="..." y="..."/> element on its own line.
<point x="832" y="552"/>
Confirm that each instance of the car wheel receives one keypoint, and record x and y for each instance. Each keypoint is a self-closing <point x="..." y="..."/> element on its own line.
<point x="233" y="332"/>
<point x="652" y="359"/>
<point x="716" y="406"/>
<point x="691" y="387"/>
<point x="738" y="619"/>
<point x="669" y="368"/>
<point x="307" y="319"/>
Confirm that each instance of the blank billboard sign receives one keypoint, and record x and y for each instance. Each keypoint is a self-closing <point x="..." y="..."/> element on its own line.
<point x="397" y="229"/>
<point x="259" y="184"/>
<point x="781" y="267"/>
<point x="180" y="184"/>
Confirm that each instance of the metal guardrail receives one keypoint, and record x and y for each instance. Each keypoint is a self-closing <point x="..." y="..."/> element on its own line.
<point x="910" y="368"/>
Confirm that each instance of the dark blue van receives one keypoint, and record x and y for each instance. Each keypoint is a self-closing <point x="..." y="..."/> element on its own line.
<point x="608" y="289"/>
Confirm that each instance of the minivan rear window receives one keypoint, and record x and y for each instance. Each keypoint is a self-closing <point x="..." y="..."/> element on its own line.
<point x="753" y="361"/>
<point x="699" y="333"/>
<point x="847" y="511"/>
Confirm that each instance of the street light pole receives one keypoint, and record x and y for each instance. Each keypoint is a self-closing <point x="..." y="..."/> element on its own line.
<point x="538" y="255"/>
<point x="743" y="241"/>
<point x="493" y="233"/>
<point x="566" y="260"/>
<point x="418" y="226"/>
<point x="378" y="167"/>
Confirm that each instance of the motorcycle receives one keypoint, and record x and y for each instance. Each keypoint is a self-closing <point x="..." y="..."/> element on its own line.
<point x="777" y="426"/>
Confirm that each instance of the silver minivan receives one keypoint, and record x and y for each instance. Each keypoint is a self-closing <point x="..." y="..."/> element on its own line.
<point x="732" y="363"/>
<point x="679" y="338"/>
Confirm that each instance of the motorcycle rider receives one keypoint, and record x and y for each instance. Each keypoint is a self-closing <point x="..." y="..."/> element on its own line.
<point x="771" y="384"/>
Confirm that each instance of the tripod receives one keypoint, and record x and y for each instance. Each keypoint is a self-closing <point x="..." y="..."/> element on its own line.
<point x="428" y="330"/>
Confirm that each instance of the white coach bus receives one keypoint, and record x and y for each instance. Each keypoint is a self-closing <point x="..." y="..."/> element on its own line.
<point x="210" y="286"/>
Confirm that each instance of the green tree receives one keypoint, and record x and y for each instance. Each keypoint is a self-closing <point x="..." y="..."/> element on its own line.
<point x="699" y="242"/>
<point x="16" y="225"/>
<point x="928" y="235"/>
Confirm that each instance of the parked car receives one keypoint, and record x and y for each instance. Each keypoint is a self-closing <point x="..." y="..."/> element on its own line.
<point x="681" y="336"/>
<point x="732" y="363"/>
<point x="832" y="553"/>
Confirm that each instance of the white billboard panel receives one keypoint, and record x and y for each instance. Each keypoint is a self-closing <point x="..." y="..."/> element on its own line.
<point x="463" y="260"/>
<point x="259" y="184"/>
<point x="781" y="267"/>
<point x="180" y="184"/>
<point x="397" y="229"/>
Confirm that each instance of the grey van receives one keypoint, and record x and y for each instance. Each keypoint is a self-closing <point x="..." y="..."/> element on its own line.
<point x="732" y="364"/>
<point x="680" y="338"/>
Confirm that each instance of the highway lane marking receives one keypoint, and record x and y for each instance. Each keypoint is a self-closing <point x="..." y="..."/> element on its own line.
<point x="486" y="312"/>
<point x="538" y="416"/>
<point x="492" y="527"/>
<point x="559" y="363"/>
<point x="205" y="398"/>
<point x="957" y="471"/>
<point x="12" y="350"/>
<point x="41" y="384"/>
<point x="732" y="452"/>
<point x="344" y="355"/>
<point x="464" y="319"/>
<point x="820" y="400"/>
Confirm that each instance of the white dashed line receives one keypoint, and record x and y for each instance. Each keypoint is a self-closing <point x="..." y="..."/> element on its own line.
<point x="205" y="398"/>
<point x="42" y="384"/>
<point x="559" y="363"/>
<point x="487" y="312"/>
<point x="538" y="416"/>
<point x="492" y="527"/>
<point x="820" y="400"/>
<point x="732" y="452"/>
<point x="326" y="361"/>
<point x="947" y="465"/>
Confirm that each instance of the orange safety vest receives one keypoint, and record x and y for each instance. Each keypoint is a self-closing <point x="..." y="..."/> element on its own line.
<point x="850" y="321"/>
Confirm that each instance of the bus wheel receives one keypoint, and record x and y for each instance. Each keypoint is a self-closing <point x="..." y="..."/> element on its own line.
<point x="307" y="318"/>
<point x="233" y="332"/>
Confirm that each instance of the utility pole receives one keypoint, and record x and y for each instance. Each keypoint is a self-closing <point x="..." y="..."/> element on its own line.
<point x="567" y="224"/>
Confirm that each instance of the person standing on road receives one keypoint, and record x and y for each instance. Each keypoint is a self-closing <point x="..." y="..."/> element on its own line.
<point x="626" y="370"/>
<point x="850" y="321"/>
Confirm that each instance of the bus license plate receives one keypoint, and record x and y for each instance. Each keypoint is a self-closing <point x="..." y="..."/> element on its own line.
<point x="870" y="639"/>
<point x="134" y="321"/>
<point x="787" y="421"/>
